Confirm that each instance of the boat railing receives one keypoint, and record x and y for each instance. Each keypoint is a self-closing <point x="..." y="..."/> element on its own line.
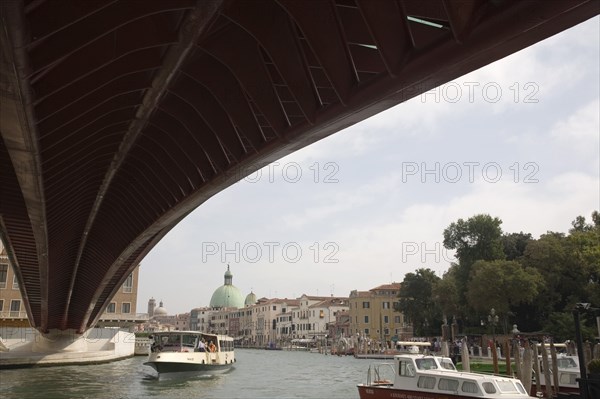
<point x="381" y="374"/>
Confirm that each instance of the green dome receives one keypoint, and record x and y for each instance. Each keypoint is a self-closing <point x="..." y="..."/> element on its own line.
<point x="227" y="295"/>
<point x="250" y="299"/>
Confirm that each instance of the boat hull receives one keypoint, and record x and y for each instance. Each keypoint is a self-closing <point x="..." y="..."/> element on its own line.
<point x="200" y="362"/>
<point x="386" y="392"/>
<point x="185" y="367"/>
<point x="561" y="389"/>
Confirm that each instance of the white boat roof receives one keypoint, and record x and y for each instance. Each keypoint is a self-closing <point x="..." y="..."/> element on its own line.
<point x="185" y="332"/>
<point x="454" y="373"/>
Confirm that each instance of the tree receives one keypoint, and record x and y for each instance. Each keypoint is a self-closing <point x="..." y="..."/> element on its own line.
<point x="514" y="244"/>
<point x="570" y="266"/>
<point x="477" y="238"/>
<point x="416" y="302"/>
<point x="580" y="225"/>
<point x="561" y="327"/>
<point x="583" y="248"/>
<point x="502" y="284"/>
<point x="445" y="293"/>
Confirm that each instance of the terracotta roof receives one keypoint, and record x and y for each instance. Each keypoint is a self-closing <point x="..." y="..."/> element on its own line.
<point x="392" y="286"/>
<point x="330" y="302"/>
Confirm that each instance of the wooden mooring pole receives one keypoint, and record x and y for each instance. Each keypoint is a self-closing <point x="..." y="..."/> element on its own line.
<point x="536" y="368"/>
<point x="554" y="367"/>
<point x="546" y="366"/>
<point x="527" y="368"/>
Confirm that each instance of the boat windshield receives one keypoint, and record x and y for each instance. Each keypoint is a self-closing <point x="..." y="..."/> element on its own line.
<point x="171" y="340"/>
<point x="566" y="363"/>
<point x="189" y="340"/>
<point x="426" y="364"/>
<point x="176" y="340"/>
<point x="447" y="364"/>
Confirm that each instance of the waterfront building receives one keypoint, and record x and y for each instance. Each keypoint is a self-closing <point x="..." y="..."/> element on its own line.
<point x="162" y="321"/>
<point x="309" y="322"/>
<point x="265" y="320"/>
<point x="12" y="311"/>
<point x="246" y="322"/>
<point x="321" y="315"/>
<point x="200" y="319"/>
<point x="340" y="328"/>
<point x="221" y="320"/>
<point x="373" y="315"/>
<point x="285" y="325"/>
<point x="121" y="311"/>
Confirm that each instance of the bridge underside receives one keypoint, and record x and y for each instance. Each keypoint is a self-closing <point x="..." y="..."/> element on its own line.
<point x="121" y="117"/>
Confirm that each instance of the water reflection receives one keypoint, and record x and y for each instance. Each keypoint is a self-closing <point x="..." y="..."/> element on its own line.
<point x="257" y="374"/>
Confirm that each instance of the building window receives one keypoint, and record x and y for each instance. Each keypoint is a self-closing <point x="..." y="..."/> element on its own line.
<point x="1" y="304"/>
<point x="3" y="274"/>
<point x="366" y="319"/>
<point x="128" y="285"/>
<point x="386" y="305"/>
<point x="15" y="284"/>
<point x="397" y="319"/>
<point x="15" y="307"/>
<point x="111" y="308"/>
<point x="386" y="319"/>
<point x="366" y="331"/>
<point x="126" y="307"/>
<point x="366" y="305"/>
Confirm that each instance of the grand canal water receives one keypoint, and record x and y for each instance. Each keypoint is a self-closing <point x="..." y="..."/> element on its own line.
<point x="257" y="374"/>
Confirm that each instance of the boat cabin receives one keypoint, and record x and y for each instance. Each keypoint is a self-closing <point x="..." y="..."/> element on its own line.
<point x="190" y="341"/>
<point x="434" y="376"/>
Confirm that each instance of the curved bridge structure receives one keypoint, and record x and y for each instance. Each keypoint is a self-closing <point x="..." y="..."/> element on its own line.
<point x="119" y="117"/>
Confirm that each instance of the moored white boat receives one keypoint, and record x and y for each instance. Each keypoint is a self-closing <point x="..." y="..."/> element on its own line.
<point x="413" y="376"/>
<point x="568" y="374"/>
<point x="191" y="352"/>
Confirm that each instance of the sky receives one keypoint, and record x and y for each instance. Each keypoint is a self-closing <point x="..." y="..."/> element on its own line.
<point x="518" y="140"/>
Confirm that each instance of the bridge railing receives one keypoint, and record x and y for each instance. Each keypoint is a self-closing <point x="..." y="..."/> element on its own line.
<point x="124" y="316"/>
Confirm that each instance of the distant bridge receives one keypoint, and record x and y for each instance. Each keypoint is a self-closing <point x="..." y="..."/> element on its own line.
<point x="121" y="117"/>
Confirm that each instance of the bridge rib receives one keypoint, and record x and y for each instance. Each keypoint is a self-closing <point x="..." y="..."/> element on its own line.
<point x="197" y="22"/>
<point x="21" y="138"/>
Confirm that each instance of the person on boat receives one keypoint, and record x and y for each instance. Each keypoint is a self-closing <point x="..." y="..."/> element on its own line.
<point x="201" y="345"/>
<point x="212" y="347"/>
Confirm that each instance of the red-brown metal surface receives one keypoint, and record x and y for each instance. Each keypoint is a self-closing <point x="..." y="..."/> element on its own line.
<point x="120" y="117"/>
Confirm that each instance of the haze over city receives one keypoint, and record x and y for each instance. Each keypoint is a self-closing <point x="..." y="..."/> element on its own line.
<point x="518" y="139"/>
